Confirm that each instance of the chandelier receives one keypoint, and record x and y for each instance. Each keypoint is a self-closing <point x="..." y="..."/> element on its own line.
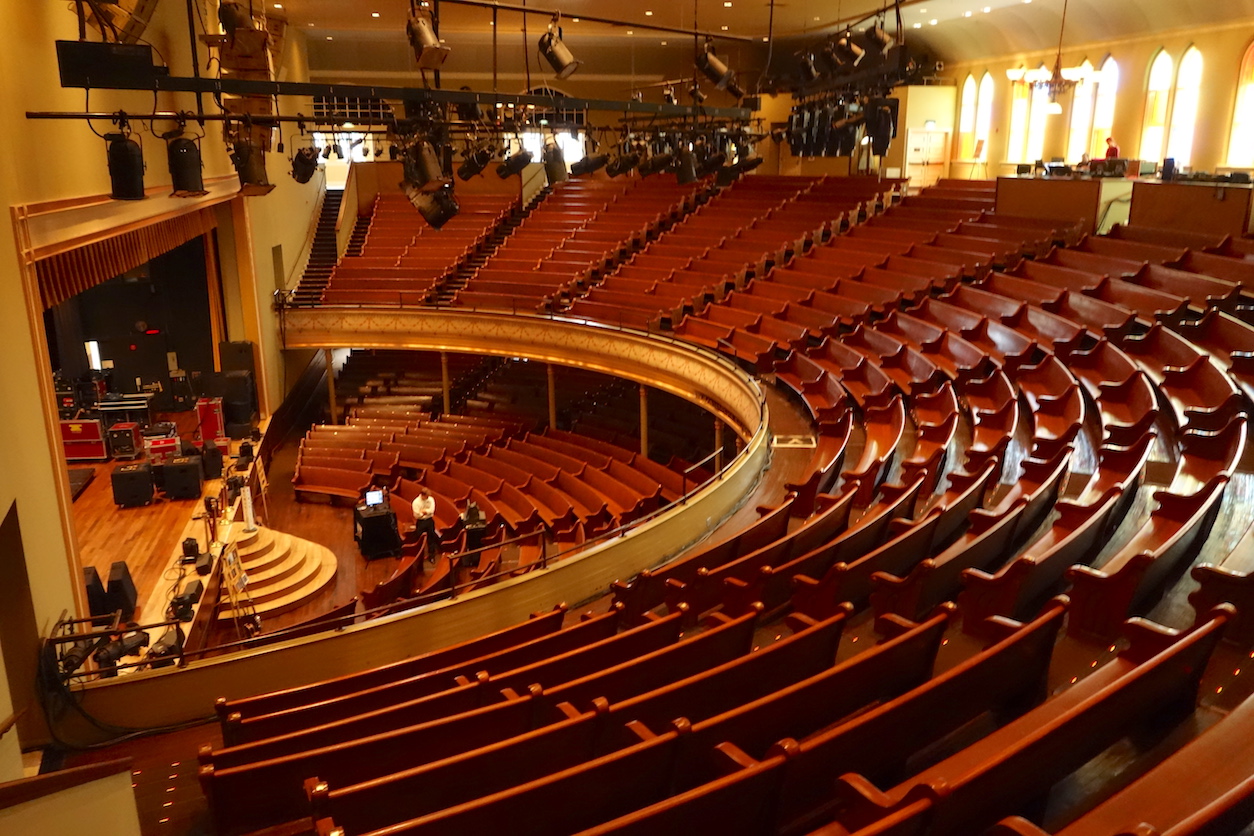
<point x="1061" y="80"/>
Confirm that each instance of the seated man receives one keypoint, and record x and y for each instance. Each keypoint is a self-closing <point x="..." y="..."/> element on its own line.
<point x="424" y="521"/>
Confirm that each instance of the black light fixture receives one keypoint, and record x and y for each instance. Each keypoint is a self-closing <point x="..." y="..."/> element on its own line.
<point x="809" y="72"/>
<point x="514" y="164"/>
<point x="623" y="164"/>
<point x="686" y="166"/>
<point x="128" y="644"/>
<point x="746" y="158"/>
<point x="304" y="164"/>
<point x="423" y="170"/>
<point x="250" y="165"/>
<point x="428" y="50"/>
<point x="878" y="39"/>
<point x="183" y="157"/>
<point x="668" y="95"/>
<point x="167" y="649"/>
<point x="73" y="657"/>
<point x="589" y="164"/>
<point x="554" y="163"/>
<point x="326" y="152"/>
<point x="656" y="164"/>
<point x="696" y="93"/>
<point x="559" y="56"/>
<point x="778" y="135"/>
<point x="437" y="208"/>
<point x="126" y="164"/>
<point x="713" y="67"/>
<point x="474" y="161"/>
<point x="848" y="51"/>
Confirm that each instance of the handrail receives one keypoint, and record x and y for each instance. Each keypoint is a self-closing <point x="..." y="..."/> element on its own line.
<point x="35" y="787"/>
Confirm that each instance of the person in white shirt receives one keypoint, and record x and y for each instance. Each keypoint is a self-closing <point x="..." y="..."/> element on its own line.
<point x="424" y="521"/>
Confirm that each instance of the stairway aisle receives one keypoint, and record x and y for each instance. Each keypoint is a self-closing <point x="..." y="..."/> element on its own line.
<point x="322" y="255"/>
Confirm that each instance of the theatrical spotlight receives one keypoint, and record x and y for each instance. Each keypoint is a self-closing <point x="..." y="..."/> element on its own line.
<point x="126" y="165"/>
<point x="589" y="164"/>
<point x="166" y="649"/>
<point x="514" y="164"/>
<point x="556" y="52"/>
<point x="809" y="72"/>
<point x="73" y="657"/>
<point x="668" y="95"/>
<point x="554" y="163"/>
<point x="713" y="67"/>
<point x="183" y="157"/>
<point x="250" y="165"/>
<point x="686" y="166"/>
<point x="474" y="162"/>
<point x="437" y="208"/>
<point x="746" y="158"/>
<point x="428" y="50"/>
<point x="696" y="93"/>
<point x="128" y="644"/>
<point x="623" y="164"/>
<point x="778" y="135"/>
<point x="656" y="164"/>
<point x="849" y="52"/>
<point x="877" y="38"/>
<point x="304" y="165"/>
<point x="326" y="152"/>
<point x="423" y="169"/>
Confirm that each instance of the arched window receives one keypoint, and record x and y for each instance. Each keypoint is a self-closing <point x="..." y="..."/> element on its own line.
<point x="1081" y="114"/>
<point x="1038" y="118"/>
<point x="1154" y="132"/>
<point x="1184" y="107"/>
<point x="966" y="119"/>
<point x="1241" y="144"/>
<point x="1104" y="108"/>
<point x="984" y="116"/>
<point x="1017" y="144"/>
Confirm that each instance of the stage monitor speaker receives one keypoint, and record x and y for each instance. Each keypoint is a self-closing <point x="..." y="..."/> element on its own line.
<point x="237" y="356"/>
<point x="97" y="602"/>
<point x="121" y="594"/>
<point x="183" y="478"/>
<point x="211" y="460"/>
<point x="204" y="562"/>
<point x="133" y="485"/>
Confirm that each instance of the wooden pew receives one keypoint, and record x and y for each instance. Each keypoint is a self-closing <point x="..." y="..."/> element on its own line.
<point x="1157" y="675"/>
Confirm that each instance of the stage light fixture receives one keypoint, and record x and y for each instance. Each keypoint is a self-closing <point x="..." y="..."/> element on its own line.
<point x="778" y="135"/>
<point x="589" y="164"/>
<point x="713" y="67"/>
<point x="165" y="650"/>
<point x="428" y="50"/>
<point x="623" y="164"/>
<point x="668" y="95"/>
<point x="686" y="166"/>
<point x="250" y="165"/>
<point x="712" y="163"/>
<point x="656" y="164"/>
<point x="126" y="165"/>
<point x="423" y="170"/>
<point x="437" y="208"/>
<point x="554" y="163"/>
<point x="514" y="164"/>
<point x="559" y="56"/>
<point x="809" y="72"/>
<point x="326" y="152"/>
<point x="746" y="158"/>
<point x="474" y="161"/>
<point x="129" y="644"/>
<point x="183" y="157"/>
<point x="877" y="38"/>
<point x="73" y="657"/>
<point x="696" y="93"/>
<point x="304" y="164"/>
<point x="849" y="52"/>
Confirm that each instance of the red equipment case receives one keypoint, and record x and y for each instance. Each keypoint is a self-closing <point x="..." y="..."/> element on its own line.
<point x="84" y="441"/>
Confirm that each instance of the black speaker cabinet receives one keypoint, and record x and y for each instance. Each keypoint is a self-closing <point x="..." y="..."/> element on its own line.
<point x="97" y="603"/>
<point x="237" y="356"/>
<point x="211" y="460"/>
<point x="239" y="429"/>
<point x="183" y="477"/>
<point x="132" y="485"/>
<point x="121" y="594"/>
<point x="375" y="530"/>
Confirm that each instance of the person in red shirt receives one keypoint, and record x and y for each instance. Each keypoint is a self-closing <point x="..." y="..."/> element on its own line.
<point x="1112" y="150"/>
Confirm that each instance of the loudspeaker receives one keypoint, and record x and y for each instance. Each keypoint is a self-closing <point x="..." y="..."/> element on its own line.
<point x="121" y="594"/>
<point x="240" y="401"/>
<point x="237" y="356"/>
<point x="211" y="460"/>
<point x="204" y="562"/>
<point x="97" y="603"/>
<point x="133" y="485"/>
<point x="183" y="478"/>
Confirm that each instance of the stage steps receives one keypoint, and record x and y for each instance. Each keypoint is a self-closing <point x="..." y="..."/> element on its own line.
<point x="284" y="572"/>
